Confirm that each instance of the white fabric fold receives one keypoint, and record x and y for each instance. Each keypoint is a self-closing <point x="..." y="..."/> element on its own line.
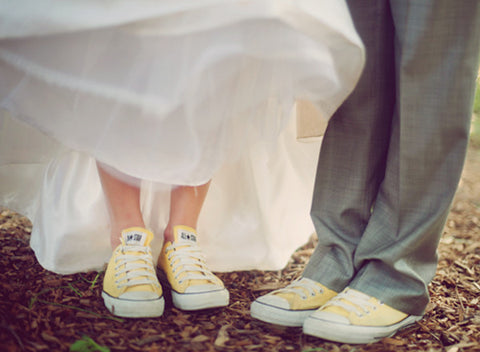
<point x="168" y="92"/>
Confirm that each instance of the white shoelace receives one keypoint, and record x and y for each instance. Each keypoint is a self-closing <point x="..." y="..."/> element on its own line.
<point x="300" y="286"/>
<point x="138" y="268"/>
<point x="188" y="258"/>
<point x="353" y="301"/>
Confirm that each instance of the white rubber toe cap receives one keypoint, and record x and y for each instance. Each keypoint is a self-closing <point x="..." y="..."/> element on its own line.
<point x="203" y="288"/>
<point x="139" y="295"/>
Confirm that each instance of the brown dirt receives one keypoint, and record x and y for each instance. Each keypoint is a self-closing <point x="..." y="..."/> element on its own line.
<point x="42" y="311"/>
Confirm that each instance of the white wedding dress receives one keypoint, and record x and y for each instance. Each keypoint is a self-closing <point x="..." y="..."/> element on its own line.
<point x="170" y="92"/>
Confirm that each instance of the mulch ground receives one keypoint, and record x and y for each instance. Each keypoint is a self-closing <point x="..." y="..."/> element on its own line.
<point x="42" y="311"/>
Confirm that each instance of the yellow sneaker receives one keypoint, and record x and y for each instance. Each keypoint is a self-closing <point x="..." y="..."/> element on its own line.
<point x="130" y="286"/>
<point x="193" y="285"/>
<point x="290" y="306"/>
<point x="354" y="317"/>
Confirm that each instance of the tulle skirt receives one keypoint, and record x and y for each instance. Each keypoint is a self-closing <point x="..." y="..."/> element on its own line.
<point x="168" y="93"/>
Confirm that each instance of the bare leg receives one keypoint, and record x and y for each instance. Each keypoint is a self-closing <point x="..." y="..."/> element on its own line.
<point x="129" y="290"/>
<point x="185" y="205"/>
<point x="193" y="285"/>
<point x="123" y="203"/>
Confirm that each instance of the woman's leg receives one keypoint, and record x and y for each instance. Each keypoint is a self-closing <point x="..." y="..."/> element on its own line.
<point x="185" y="205"/>
<point x="193" y="285"/>
<point x="130" y="285"/>
<point x="123" y="203"/>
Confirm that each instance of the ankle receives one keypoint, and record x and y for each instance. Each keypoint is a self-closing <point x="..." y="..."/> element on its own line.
<point x="168" y="234"/>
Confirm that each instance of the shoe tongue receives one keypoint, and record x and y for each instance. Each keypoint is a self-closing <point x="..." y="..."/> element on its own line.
<point x="184" y="234"/>
<point x="136" y="236"/>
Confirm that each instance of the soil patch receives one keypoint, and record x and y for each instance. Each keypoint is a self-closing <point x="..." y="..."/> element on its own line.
<point x="42" y="311"/>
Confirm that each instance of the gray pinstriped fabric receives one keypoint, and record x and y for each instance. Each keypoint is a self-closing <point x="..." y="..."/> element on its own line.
<point x="393" y="153"/>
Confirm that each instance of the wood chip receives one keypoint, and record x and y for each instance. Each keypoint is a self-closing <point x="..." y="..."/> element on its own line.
<point x="222" y="336"/>
<point x="42" y="309"/>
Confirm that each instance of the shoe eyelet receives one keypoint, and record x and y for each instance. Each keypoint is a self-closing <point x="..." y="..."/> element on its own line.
<point x="304" y="297"/>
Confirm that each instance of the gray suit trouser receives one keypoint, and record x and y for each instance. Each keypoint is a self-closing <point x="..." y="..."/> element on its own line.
<point x="393" y="153"/>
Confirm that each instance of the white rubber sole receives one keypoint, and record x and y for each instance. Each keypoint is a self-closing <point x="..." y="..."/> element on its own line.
<point x="353" y="334"/>
<point x="279" y="316"/>
<point x="134" y="308"/>
<point x="201" y="300"/>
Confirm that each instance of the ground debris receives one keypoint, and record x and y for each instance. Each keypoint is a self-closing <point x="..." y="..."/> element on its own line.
<point x="42" y="311"/>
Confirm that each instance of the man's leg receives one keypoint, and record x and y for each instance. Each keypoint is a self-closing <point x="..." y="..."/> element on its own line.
<point x="436" y="63"/>
<point x="350" y="170"/>
<point x="436" y="56"/>
<point x="352" y="157"/>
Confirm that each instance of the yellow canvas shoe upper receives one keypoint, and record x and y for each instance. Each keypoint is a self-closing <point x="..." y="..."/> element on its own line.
<point x="184" y="264"/>
<point x="131" y="272"/>
<point x="302" y="294"/>
<point x="290" y="306"/>
<point x="356" y="308"/>
<point x="354" y="317"/>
